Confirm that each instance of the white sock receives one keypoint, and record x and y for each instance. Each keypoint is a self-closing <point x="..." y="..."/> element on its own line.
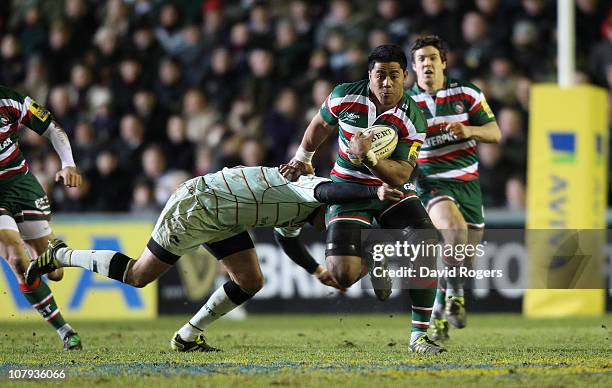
<point x="215" y="307"/>
<point x="93" y="260"/>
<point x="62" y="331"/>
<point x="415" y="335"/>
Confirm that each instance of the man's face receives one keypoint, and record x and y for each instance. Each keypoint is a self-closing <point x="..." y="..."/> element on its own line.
<point x="428" y="66"/>
<point x="387" y="82"/>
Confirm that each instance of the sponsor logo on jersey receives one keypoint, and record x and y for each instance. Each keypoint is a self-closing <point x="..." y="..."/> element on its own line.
<point x="42" y="203"/>
<point x="6" y="144"/>
<point x="41" y="113"/>
<point x="459" y="107"/>
<point x="487" y="108"/>
<point x="353" y="117"/>
<point x="4" y="119"/>
<point x="563" y="147"/>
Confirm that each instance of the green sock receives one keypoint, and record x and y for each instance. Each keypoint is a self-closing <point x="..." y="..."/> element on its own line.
<point x="422" y="302"/>
<point x="41" y="298"/>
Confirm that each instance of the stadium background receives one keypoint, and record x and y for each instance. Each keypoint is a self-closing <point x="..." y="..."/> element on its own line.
<point x="152" y="93"/>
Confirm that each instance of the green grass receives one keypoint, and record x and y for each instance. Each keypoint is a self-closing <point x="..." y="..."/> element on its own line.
<point x="321" y="350"/>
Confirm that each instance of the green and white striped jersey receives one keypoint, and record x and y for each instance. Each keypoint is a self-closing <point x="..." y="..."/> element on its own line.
<point x="259" y="196"/>
<point x="16" y="110"/>
<point x="442" y="156"/>
<point x="349" y="107"/>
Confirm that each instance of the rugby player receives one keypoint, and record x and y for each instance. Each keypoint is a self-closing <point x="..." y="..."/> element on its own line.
<point x="24" y="206"/>
<point x="348" y="110"/>
<point x="215" y="210"/>
<point x="458" y="117"/>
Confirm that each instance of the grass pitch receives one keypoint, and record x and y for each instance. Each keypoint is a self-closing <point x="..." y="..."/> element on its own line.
<point x="319" y="350"/>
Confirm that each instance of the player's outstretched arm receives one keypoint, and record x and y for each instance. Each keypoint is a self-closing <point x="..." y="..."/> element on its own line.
<point x="69" y="173"/>
<point x="393" y="172"/>
<point x="317" y="131"/>
<point x="345" y="192"/>
<point x="488" y="133"/>
<point x="296" y="251"/>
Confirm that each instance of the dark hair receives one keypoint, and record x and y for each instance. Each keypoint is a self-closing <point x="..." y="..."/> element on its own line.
<point x="387" y="53"/>
<point x="430" y="40"/>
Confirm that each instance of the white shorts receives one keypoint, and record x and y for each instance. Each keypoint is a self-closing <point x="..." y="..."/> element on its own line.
<point x="185" y="223"/>
<point x="29" y="230"/>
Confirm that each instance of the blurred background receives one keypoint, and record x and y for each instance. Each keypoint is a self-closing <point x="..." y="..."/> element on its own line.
<point x="152" y="93"/>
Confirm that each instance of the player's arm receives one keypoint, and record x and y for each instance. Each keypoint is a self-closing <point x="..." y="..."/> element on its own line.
<point x="40" y="120"/>
<point x="317" y="131"/>
<point x="345" y="192"/>
<point x="483" y="126"/>
<point x="391" y="171"/>
<point x="297" y="252"/>
<point x="487" y="133"/>
<point x="69" y="173"/>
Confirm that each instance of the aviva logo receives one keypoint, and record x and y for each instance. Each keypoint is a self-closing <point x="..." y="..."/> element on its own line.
<point x="563" y="146"/>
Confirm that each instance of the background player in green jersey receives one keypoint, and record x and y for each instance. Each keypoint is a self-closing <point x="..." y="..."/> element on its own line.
<point x="214" y="210"/>
<point x="351" y="108"/>
<point x="458" y="117"/>
<point x="24" y="206"/>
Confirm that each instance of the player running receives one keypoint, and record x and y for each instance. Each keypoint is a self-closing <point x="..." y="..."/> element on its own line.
<point x="350" y="109"/>
<point x="458" y="116"/>
<point x="215" y="210"/>
<point x="24" y="206"/>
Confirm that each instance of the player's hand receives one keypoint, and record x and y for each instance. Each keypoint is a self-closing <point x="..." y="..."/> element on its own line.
<point x="326" y="278"/>
<point x="458" y="130"/>
<point x="56" y="275"/>
<point x="360" y="144"/>
<point x="294" y="169"/>
<point x="388" y="193"/>
<point x="70" y="175"/>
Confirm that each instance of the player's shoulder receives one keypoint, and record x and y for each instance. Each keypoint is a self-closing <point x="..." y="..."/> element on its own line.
<point x="465" y="85"/>
<point x="351" y="88"/>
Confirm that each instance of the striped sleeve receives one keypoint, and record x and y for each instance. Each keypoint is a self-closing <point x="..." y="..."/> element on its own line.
<point x="330" y="105"/>
<point x="480" y="112"/>
<point x="34" y="116"/>
<point x="410" y="142"/>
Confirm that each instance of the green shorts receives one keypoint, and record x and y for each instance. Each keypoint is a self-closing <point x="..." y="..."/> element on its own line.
<point x="24" y="199"/>
<point x="366" y="213"/>
<point x="466" y="195"/>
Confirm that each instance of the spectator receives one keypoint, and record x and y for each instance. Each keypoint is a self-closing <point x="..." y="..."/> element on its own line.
<point x="222" y="81"/>
<point x="110" y="184"/>
<point x="151" y="115"/>
<point x="199" y="117"/>
<point x="179" y="152"/>
<point x="281" y="125"/>
<point x="131" y="144"/>
<point x="169" y="86"/>
<point x="12" y="70"/>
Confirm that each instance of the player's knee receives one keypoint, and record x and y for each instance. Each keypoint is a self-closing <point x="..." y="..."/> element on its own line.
<point x="344" y="273"/>
<point x="250" y="283"/>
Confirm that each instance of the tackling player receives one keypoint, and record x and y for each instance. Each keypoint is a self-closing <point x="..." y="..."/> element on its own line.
<point x="458" y="117"/>
<point x="215" y="210"/>
<point x="350" y="109"/>
<point x="24" y="206"/>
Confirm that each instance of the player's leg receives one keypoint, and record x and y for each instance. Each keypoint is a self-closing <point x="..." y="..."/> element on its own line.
<point x="238" y="255"/>
<point x="447" y="217"/>
<point x="343" y="252"/>
<point x="38" y="293"/>
<point x="410" y="216"/>
<point x="37" y="235"/>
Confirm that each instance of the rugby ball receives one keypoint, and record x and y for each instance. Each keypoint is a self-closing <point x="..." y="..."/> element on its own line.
<point x="384" y="142"/>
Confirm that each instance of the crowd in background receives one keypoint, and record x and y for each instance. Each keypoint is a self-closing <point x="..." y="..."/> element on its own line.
<point x="154" y="92"/>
